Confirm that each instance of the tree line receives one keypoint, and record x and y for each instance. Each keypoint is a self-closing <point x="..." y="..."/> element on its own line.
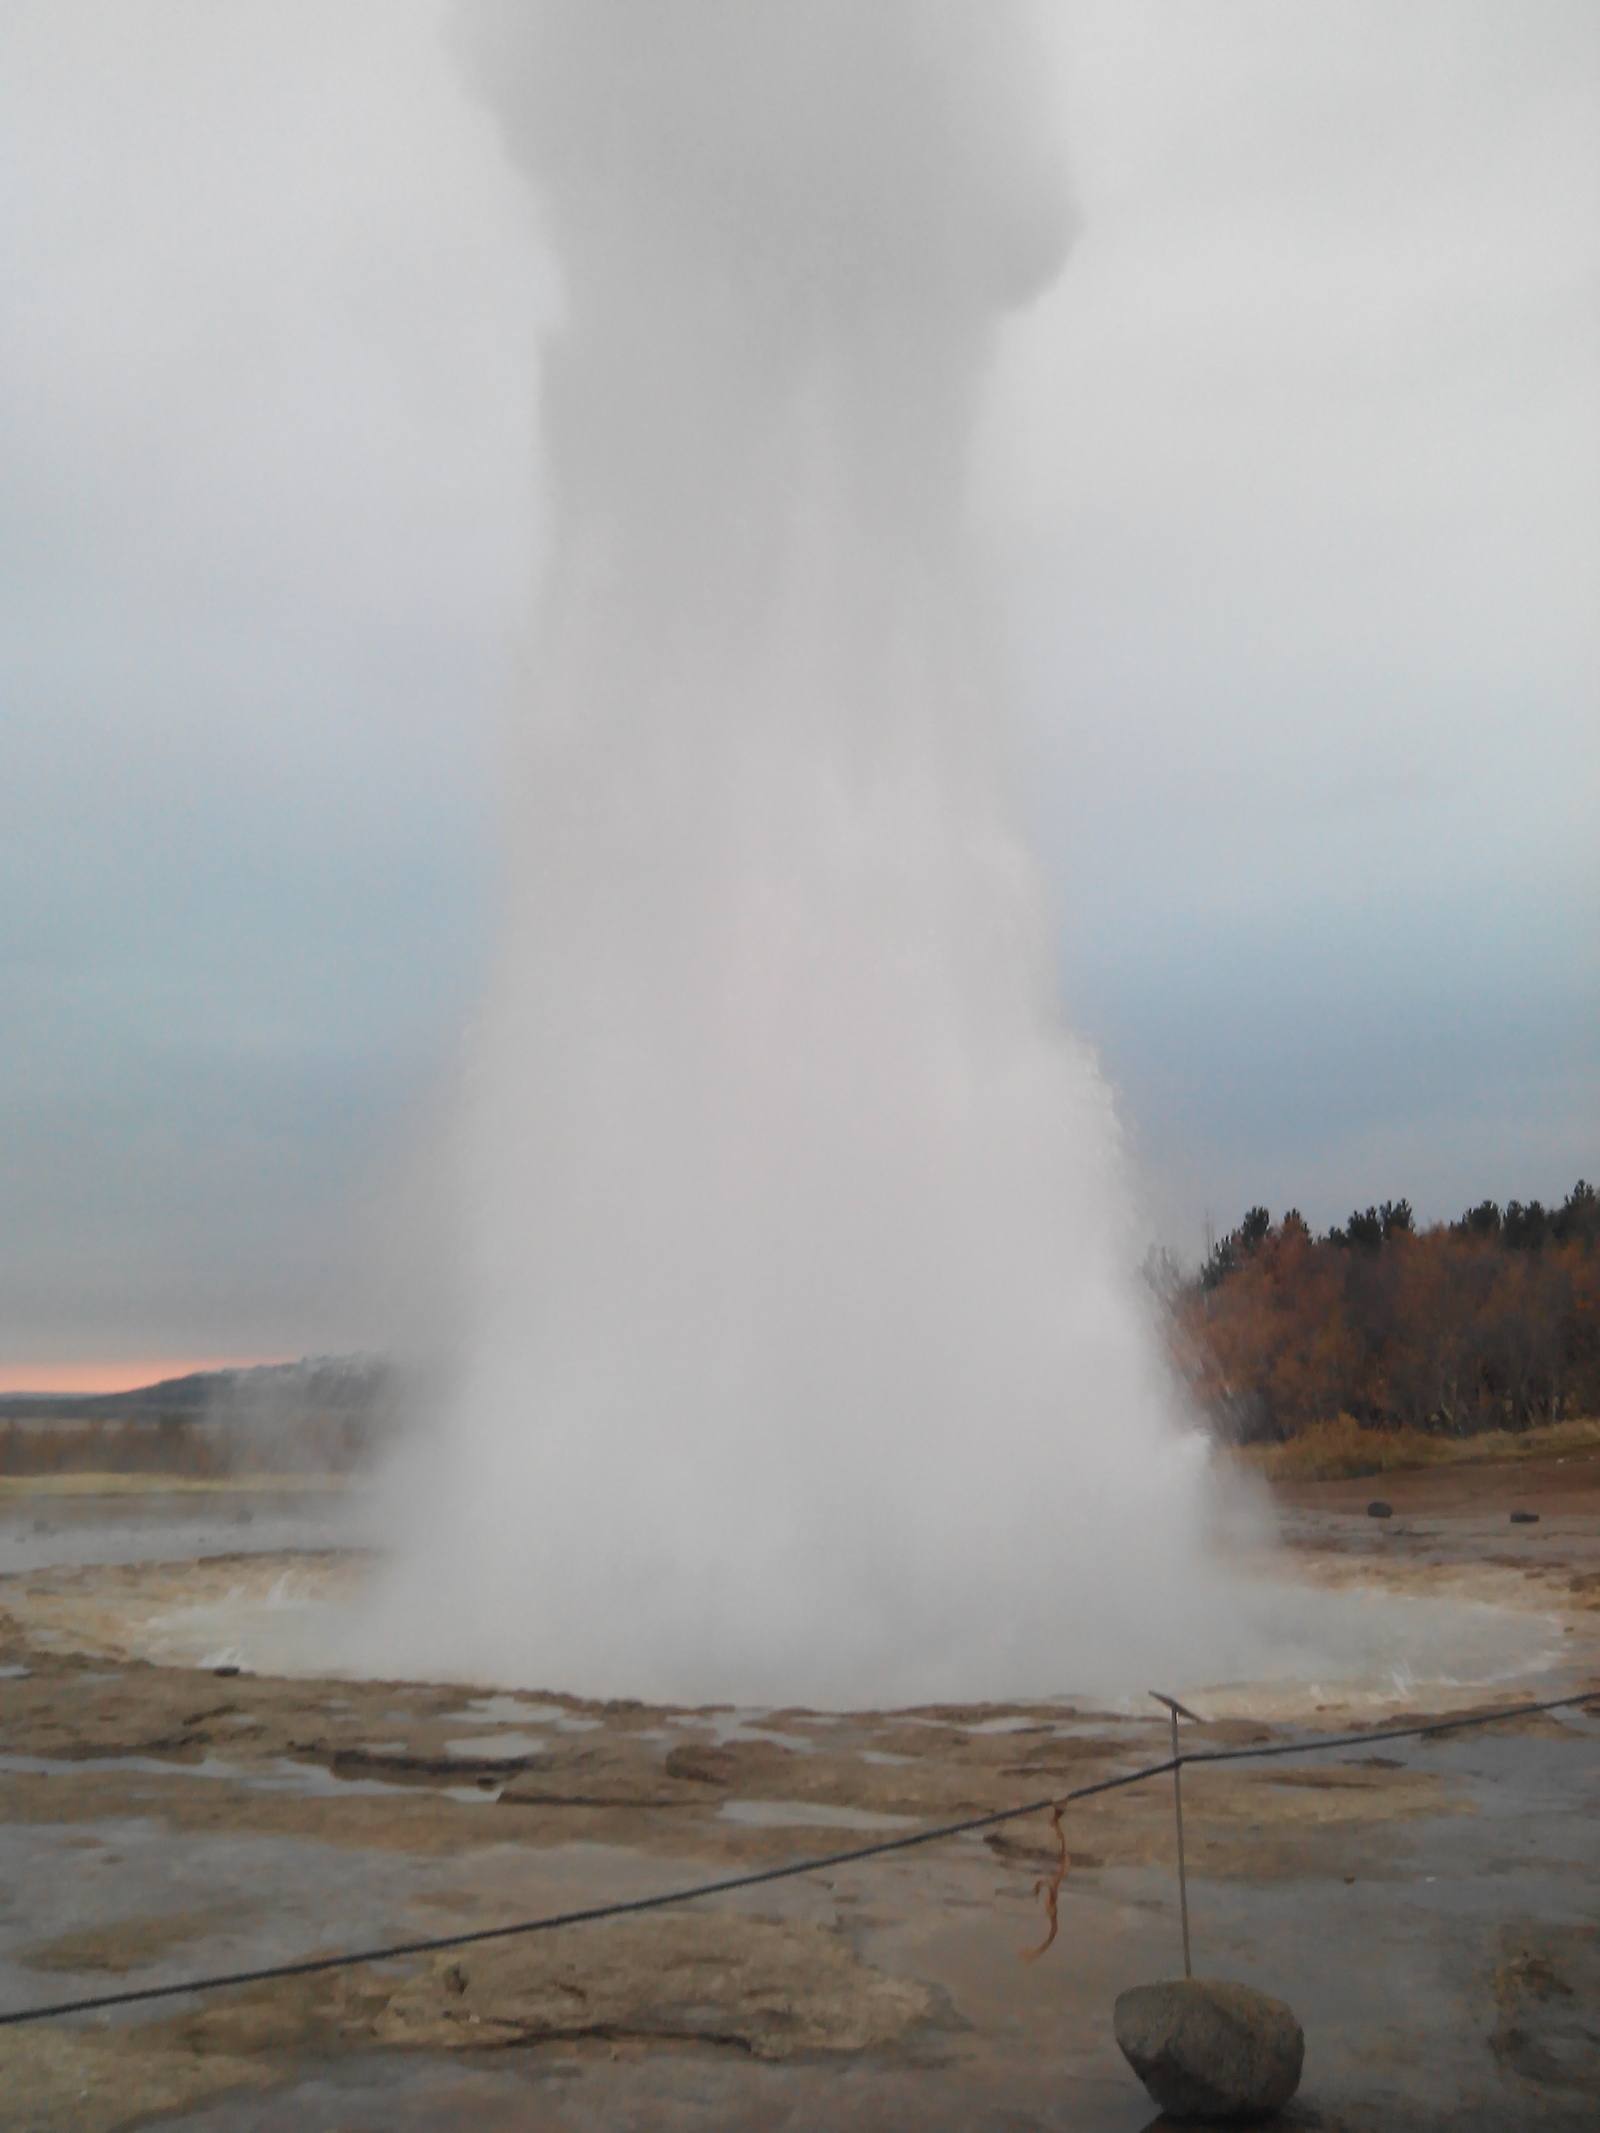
<point x="1491" y="1322"/>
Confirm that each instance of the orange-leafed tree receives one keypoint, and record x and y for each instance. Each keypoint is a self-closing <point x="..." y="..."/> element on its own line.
<point x="1489" y="1322"/>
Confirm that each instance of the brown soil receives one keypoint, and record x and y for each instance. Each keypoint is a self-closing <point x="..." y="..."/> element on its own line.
<point x="1569" y="1486"/>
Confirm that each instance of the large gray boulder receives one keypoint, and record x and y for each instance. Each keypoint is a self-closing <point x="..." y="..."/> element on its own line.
<point x="1208" y="2049"/>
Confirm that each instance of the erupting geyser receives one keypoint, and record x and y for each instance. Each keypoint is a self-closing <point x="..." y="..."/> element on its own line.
<point x="806" y="1356"/>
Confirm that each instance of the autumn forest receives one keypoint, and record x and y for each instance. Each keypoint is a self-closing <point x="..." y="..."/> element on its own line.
<point x="1491" y="1322"/>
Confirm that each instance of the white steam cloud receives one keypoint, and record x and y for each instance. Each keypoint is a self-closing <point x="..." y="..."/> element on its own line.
<point x="805" y="1356"/>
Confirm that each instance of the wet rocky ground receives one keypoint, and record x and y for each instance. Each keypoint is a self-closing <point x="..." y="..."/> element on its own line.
<point x="1428" y="1907"/>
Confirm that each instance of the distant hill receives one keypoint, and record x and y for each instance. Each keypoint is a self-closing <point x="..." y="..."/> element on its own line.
<point x="324" y="1414"/>
<point x="322" y="1384"/>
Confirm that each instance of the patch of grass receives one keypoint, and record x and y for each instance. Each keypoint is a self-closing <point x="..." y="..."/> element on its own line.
<point x="1345" y="1449"/>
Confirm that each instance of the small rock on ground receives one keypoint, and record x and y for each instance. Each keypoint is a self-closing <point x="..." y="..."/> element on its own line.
<point x="1208" y="2049"/>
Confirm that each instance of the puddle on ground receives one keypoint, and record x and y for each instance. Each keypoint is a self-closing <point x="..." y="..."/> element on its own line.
<point x="305" y="1780"/>
<point x="807" y="1814"/>
<point x="506" y="1711"/>
<point x="504" y="1747"/>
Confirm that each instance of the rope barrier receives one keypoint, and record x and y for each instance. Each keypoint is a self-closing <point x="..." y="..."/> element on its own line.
<point x="439" y="1944"/>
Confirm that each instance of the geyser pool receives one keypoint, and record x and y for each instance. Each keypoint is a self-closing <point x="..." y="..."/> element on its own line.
<point x="1279" y="1650"/>
<point x="804" y="1356"/>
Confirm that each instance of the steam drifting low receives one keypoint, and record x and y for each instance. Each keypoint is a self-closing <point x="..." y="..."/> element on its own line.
<point x="805" y="1359"/>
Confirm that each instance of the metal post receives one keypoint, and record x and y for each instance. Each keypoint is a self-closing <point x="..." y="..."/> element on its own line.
<point x="1183" y="1878"/>
<point x="1175" y="1711"/>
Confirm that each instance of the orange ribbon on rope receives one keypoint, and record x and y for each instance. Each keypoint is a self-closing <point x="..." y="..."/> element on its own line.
<point x="1050" y="1889"/>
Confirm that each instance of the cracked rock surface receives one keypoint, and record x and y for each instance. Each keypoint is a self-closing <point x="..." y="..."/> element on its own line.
<point x="771" y="1989"/>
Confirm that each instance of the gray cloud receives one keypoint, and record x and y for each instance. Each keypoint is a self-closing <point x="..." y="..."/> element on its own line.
<point x="1293" y="483"/>
<point x="1297" y="479"/>
<point x="266" y="533"/>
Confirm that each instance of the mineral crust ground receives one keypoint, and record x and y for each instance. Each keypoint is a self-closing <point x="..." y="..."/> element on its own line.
<point x="1428" y="1908"/>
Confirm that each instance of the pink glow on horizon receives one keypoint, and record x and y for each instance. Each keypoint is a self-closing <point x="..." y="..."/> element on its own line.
<point x="119" y="1376"/>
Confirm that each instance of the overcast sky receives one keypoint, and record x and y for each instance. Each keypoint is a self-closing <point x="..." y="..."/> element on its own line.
<point x="1292" y="493"/>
